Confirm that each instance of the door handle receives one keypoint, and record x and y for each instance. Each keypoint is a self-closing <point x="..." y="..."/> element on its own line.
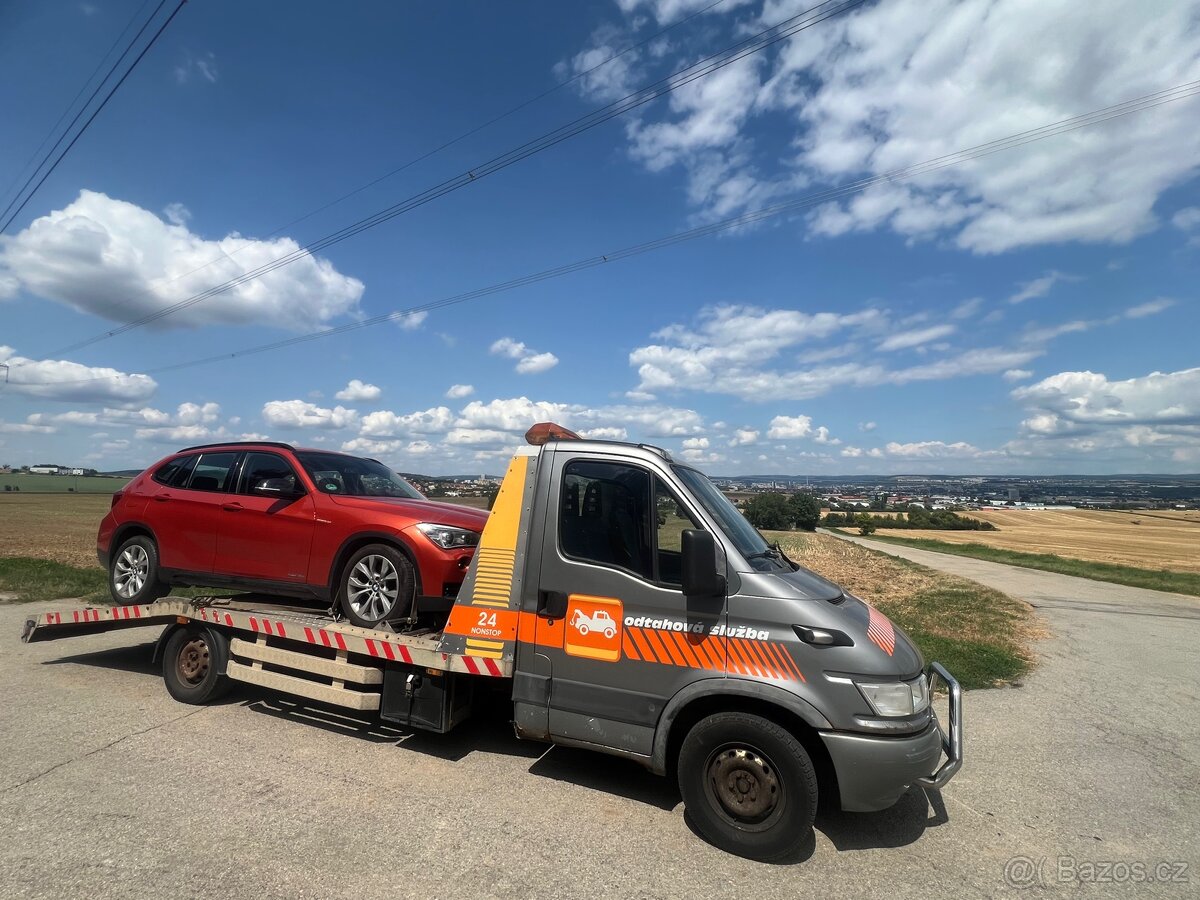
<point x="232" y="507"/>
<point x="552" y="604"/>
<point x="162" y="498"/>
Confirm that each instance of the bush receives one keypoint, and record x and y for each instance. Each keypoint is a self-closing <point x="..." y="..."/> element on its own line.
<point x="769" y="511"/>
<point x="865" y="523"/>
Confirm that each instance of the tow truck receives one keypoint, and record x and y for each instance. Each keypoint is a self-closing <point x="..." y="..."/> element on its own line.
<point x="624" y="605"/>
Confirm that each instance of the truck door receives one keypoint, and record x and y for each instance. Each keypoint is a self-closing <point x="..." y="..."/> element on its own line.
<point x="629" y="640"/>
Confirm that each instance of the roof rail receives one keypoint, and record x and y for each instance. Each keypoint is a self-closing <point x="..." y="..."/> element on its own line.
<point x="240" y="444"/>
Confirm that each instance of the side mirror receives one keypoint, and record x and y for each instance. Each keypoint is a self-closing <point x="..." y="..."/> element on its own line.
<point x="277" y="487"/>
<point x="700" y="575"/>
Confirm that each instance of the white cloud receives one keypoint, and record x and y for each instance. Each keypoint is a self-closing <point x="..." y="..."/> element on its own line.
<point x="1017" y="374"/>
<point x="905" y="339"/>
<point x="118" y="261"/>
<point x="893" y="84"/>
<point x="385" y="423"/>
<point x="60" y="379"/>
<point x="1039" y="287"/>
<point x="743" y="437"/>
<point x="25" y="428"/>
<point x="358" y="391"/>
<point x="1090" y="399"/>
<point x="967" y="308"/>
<point x="529" y="362"/>
<point x="822" y="436"/>
<point x="696" y="443"/>
<point x="785" y="428"/>
<point x="1187" y="219"/>
<point x="202" y="66"/>
<point x="458" y="391"/>
<point x="606" y="433"/>
<point x="1153" y="307"/>
<point x="867" y="426"/>
<point x="413" y="320"/>
<point x="302" y="414"/>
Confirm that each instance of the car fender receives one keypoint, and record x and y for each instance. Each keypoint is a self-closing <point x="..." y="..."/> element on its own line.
<point x="731" y="688"/>
<point x="394" y="538"/>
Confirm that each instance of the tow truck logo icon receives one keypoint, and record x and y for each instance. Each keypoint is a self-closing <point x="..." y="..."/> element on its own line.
<point x="595" y="627"/>
<point x="599" y="621"/>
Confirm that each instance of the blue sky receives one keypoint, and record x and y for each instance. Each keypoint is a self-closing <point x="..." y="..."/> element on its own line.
<point x="1033" y="311"/>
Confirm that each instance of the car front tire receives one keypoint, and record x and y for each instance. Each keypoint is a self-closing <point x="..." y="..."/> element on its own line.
<point x="376" y="586"/>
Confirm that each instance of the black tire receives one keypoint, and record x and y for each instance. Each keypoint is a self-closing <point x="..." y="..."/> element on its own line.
<point x="194" y="661"/>
<point x="748" y="785"/>
<point x="376" y="585"/>
<point x="133" y="573"/>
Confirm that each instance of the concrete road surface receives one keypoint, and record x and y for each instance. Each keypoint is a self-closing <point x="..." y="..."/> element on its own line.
<point x="1090" y="770"/>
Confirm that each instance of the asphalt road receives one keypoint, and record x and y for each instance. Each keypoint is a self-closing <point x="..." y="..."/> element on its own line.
<point x="108" y="788"/>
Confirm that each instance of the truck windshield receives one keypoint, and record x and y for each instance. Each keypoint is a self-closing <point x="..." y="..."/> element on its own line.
<point x="752" y="545"/>
<point x="334" y="473"/>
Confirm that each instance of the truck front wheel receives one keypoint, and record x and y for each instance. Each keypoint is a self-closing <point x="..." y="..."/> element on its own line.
<point x="748" y="784"/>
<point x="194" y="660"/>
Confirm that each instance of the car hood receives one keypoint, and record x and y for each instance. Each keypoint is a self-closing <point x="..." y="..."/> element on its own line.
<point x="419" y="510"/>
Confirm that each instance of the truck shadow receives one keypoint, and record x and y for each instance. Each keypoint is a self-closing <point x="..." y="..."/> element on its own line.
<point x="138" y="659"/>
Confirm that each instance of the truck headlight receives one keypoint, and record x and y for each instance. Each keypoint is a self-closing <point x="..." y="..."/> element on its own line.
<point x="448" y="537"/>
<point x="896" y="698"/>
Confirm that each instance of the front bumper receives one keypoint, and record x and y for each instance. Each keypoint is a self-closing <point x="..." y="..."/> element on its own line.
<point x="874" y="772"/>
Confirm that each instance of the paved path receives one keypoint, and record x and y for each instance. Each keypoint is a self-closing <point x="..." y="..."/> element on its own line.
<point x="110" y="789"/>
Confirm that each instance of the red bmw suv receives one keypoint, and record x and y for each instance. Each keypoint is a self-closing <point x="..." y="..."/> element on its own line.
<point x="276" y="519"/>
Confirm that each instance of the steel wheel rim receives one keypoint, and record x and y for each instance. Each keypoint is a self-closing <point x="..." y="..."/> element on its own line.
<point x="373" y="587"/>
<point x="192" y="662"/>
<point x="744" y="787"/>
<point x="131" y="571"/>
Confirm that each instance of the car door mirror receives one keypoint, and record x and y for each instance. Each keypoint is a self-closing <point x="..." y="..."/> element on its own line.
<point x="700" y="575"/>
<point x="281" y="488"/>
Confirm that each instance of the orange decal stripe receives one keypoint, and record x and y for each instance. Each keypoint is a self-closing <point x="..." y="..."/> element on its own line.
<point x="753" y="650"/>
<point x="791" y="663"/>
<point x="762" y="649"/>
<point x="736" y="651"/>
<point x="772" y="650"/>
<point x="689" y="658"/>
<point x="702" y="647"/>
<point x="627" y="645"/>
<point x="655" y="642"/>
<point x="643" y="645"/>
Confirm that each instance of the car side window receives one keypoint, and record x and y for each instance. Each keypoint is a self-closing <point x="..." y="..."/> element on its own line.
<point x="212" y="472"/>
<point x="175" y="472"/>
<point x="260" y="467"/>
<point x="672" y="519"/>
<point x="603" y="516"/>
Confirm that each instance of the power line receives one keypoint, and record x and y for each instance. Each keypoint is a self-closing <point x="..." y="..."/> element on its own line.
<point x="92" y="117"/>
<point x="435" y="150"/>
<point x="1096" y="117"/>
<point x="712" y="63"/>
<point x="83" y="87"/>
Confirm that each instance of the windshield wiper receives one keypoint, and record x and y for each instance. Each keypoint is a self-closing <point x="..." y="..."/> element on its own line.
<point x="769" y="553"/>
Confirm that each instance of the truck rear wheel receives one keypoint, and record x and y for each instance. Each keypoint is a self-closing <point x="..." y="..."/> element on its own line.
<point x="194" y="661"/>
<point x="748" y="785"/>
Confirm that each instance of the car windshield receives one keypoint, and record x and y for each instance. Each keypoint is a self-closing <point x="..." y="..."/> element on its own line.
<point x="752" y="545"/>
<point x="334" y="473"/>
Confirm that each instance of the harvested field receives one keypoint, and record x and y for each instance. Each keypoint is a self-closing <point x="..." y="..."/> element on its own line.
<point x="61" y="527"/>
<point x="1153" y="539"/>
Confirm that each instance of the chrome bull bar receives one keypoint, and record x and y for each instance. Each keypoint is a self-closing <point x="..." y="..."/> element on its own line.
<point x="951" y="742"/>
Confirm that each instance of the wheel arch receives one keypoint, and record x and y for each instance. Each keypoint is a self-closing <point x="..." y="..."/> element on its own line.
<point x="711" y="695"/>
<point x="361" y="539"/>
<point x="126" y="530"/>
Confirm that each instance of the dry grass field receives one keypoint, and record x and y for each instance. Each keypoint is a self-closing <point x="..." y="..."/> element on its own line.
<point x="61" y="527"/>
<point x="1157" y="539"/>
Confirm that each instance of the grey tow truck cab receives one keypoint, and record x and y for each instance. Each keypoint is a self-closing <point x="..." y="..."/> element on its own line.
<point x="634" y="611"/>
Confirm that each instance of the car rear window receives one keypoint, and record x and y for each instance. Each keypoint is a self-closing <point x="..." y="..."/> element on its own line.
<point x="212" y="472"/>
<point x="175" y="472"/>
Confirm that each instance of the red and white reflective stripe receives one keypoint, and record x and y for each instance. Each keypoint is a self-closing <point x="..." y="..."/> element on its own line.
<point x="481" y="666"/>
<point x="880" y="631"/>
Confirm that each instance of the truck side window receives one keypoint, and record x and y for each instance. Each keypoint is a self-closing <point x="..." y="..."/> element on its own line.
<point x="603" y="516"/>
<point x="673" y="518"/>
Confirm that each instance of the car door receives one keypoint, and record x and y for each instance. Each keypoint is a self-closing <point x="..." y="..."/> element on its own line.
<point x="266" y="534"/>
<point x="629" y="639"/>
<point x="185" y="513"/>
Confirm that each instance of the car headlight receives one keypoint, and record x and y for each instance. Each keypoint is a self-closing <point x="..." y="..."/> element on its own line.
<point x="448" y="537"/>
<point x="896" y="698"/>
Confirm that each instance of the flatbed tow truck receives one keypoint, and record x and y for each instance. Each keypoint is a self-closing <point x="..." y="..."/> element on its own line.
<point x="625" y="606"/>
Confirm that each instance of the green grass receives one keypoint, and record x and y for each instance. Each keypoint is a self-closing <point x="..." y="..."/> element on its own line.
<point x="1132" y="576"/>
<point x="43" y="579"/>
<point x="983" y="651"/>
<point x="61" y="484"/>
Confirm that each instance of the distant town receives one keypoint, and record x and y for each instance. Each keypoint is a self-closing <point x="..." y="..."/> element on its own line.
<point x="860" y="492"/>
